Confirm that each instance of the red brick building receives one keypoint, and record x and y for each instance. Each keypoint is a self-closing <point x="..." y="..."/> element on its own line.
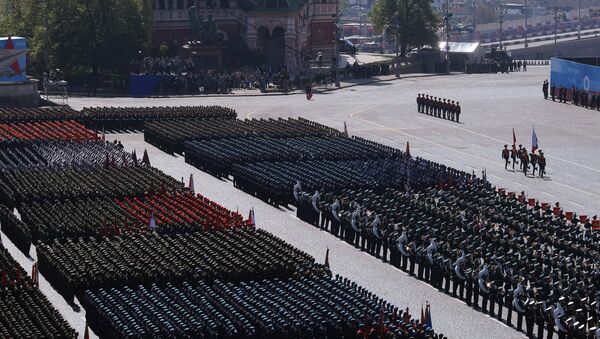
<point x="288" y="32"/>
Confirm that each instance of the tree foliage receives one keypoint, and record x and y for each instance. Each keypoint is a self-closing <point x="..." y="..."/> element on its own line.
<point x="416" y="22"/>
<point x="80" y="35"/>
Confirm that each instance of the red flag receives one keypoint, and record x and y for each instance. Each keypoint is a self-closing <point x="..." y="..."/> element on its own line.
<point x="86" y="334"/>
<point x="422" y="323"/>
<point x="327" y="258"/>
<point x="514" y="145"/>
<point x="407" y="153"/>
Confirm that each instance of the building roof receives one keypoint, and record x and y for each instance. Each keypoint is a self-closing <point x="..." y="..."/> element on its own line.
<point x="459" y="47"/>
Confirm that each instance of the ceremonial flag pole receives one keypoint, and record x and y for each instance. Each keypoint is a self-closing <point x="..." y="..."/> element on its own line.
<point x="152" y="224"/>
<point x="428" y="315"/>
<point x="514" y="145"/>
<point x="534" y="141"/>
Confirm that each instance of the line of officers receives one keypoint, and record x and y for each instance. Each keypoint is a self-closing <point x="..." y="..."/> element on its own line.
<point x="489" y="288"/>
<point x="535" y="160"/>
<point x="438" y="107"/>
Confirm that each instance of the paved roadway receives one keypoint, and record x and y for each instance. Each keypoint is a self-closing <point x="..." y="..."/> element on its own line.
<point x="492" y="105"/>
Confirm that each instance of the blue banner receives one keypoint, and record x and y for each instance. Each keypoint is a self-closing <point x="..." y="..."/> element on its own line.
<point x="569" y="73"/>
<point x="13" y="70"/>
<point x="143" y="85"/>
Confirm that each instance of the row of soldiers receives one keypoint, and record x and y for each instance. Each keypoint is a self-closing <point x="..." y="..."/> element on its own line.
<point x="438" y="107"/>
<point x="489" y="250"/>
<point x="535" y="160"/>
<point x="579" y="97"/>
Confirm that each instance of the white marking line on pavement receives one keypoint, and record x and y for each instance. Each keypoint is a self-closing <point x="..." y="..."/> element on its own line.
<point x="256" y="110"/>
<point x="508" y="143"/>
<point x="574" y="203"/>
<point x="567" y="174"/>
<point x="353" y="115"/>
<point x="368" y="129"/>
<point x="367" y="109"/>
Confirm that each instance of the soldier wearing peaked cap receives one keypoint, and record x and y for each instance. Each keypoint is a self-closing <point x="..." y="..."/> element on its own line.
<point x="541" y="160"/>
<point x="505" y="156"/>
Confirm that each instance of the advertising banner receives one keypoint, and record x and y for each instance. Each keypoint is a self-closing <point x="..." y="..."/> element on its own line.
<point x="13" y="59"/>
<point x="569" y="73"/>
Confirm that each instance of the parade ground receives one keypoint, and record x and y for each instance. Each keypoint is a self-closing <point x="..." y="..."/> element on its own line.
<point x="386" y="111"/>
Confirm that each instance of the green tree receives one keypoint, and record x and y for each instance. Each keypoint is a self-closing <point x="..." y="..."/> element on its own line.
<point x="413" y="21"/>
<point x="80" y="35"/>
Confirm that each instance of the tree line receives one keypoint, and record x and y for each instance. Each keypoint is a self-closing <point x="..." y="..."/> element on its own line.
<point x="79" y="36"/>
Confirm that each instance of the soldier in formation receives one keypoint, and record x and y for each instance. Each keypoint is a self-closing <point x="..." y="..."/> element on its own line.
<point x="536" y="160"/>
<point x="494" y="251"/>
<point x="438" y="107"/>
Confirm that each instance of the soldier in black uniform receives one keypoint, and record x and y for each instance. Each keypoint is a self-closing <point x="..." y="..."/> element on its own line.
<point x="427" y="103"/>
<point x="419" y="103"/>
<point x="553" y="92"/>
<point x="524" y="161"/>
<point x="545" y="89"/>
<point x="457" y="111"/>
<point x="505" y="156"/>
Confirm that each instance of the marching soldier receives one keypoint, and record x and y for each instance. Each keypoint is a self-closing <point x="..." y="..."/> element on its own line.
<point x="457" y="111"/>
<point x="514" y="154"/>
<point x="459" y="275"/>
<point x="525" y="161"/>
<point x="553" y="92"/>
<point x="545" y="89"/>
<point x="419" y="103"/>
<point x="542" y="163"/>
<point x="533" y="159"/>
<point x="505" y="156"/>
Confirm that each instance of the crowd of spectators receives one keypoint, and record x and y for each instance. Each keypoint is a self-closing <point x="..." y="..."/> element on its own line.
<point x="179" y="75"/>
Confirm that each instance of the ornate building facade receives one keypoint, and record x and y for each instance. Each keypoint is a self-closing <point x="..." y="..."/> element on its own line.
<point x="288" y="32"/>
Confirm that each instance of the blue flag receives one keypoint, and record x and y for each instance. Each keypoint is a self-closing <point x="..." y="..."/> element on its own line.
<point x="152" y="224"/>
<point x="428" y="316"/>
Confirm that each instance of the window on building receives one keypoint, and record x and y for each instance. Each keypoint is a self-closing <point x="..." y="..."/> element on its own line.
<point x="190" y="3"/>
<point x="179" y="4"/>
<point x="161" y="4"/>
<point x="170" y="3"/>
<point x="224" y="3"/>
